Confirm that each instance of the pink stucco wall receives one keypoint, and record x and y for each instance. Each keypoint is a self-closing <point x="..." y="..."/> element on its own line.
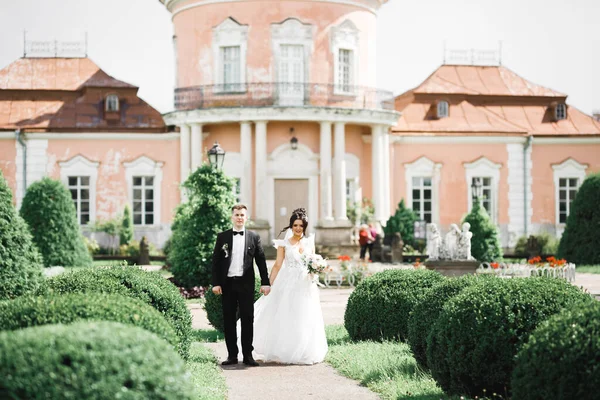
<point x="8" y="155"/>
<point x="111" y="187"/>
<point x="543" y="157"/>
<point x="453" y="187"/>
<point x="193" y="28"/>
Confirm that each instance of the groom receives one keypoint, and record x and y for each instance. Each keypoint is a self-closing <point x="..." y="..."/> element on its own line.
<point x="233" y="277"/>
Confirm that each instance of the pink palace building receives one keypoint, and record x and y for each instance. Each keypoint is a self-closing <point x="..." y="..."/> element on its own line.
<point x="288" y="89"/>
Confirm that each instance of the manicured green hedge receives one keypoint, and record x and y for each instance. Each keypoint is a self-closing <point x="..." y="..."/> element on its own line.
<point x="561" y="360"/>
<point x="90" y="360"/>
<point x="49" y="211"/>
<point x="214" y="309"/>
<point x="472" y="345"/>
<point x="149" y="287"/>
<point x="428" y="309"/>
<point x="380" y="305"/>
<point x="28" y="311"/>
<point x="21" y="264"/>
<point x="579" y="242"/>
<point x="485" y="243"/>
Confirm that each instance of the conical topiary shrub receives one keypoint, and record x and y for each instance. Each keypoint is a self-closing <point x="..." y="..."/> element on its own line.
<point x="48" y="210"/>
<point x="485" y="243"/>
<point x="579" y="242"/>
<point x="126" y="232"/>
<point x="197" y="223"/>
<point x="20" y="263"/>
<point x="402" y="221"/>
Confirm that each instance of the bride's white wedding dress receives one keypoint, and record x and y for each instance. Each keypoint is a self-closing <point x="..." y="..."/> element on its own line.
<point x="288" y="323"/>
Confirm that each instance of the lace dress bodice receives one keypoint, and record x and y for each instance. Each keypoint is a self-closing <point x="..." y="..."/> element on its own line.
<point x="293" y="256"/>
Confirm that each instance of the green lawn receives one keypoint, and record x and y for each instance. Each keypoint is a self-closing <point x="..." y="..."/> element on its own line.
<point x="388" y="368"/>
<point x="588" y="269"/>
<point x="207" y="377"/>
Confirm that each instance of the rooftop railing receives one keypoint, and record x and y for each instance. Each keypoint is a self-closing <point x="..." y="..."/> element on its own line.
<point x="282" y="94"/>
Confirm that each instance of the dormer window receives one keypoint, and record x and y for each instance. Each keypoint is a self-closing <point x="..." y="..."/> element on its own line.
<point x="560" y="111"/>
<point x="111" y="103"/>
<point x="442" y="109"/>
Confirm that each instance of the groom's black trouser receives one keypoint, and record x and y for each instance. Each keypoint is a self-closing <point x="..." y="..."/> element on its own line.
<point x="236" y="295"/>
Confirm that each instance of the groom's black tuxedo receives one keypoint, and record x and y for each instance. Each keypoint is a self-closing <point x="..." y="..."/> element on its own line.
<point x="238" y="292"/>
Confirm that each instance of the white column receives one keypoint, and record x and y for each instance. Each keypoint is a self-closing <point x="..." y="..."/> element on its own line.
<point x="385" y="138"/>
<point x="339" y="171"/>
<point x="246" y="178"/>
<point x="184" y="152"/>
<point x="196" y="145"/>
<point x="262" y="212"/>
<point x="326" y="189"/>
<point x="377" y="169"/>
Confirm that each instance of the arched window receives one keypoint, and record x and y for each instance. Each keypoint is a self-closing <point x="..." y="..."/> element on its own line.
<point x="442" y="109"/>
<point x="111" y="103"/>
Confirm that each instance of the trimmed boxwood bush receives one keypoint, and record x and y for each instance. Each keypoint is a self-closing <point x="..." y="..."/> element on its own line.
<point x="49" y="211"/>
<point x="380" y="305"/>
<point x="134" y="282"/>
<point x="485" y="243"/>
<point x="561" y="358"/>
<point x="21" y="265"/>
<point x="579" y="242"/>
<point x="214" y="309"/>
<point x="197" y="223"/>
<point x="472" y="345"/>
<point x="90" y="360"/>
<point x="28" y="311"/>
<point x="427" y="310"/>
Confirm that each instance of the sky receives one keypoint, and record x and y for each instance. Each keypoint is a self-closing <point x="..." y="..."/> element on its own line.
<point x="553" y="43"/>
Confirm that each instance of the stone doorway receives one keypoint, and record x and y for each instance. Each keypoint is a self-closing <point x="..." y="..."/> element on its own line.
<point x="289" y="195"/>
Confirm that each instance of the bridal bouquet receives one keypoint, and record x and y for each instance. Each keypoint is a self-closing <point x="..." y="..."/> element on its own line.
<point x="314" y="263"/>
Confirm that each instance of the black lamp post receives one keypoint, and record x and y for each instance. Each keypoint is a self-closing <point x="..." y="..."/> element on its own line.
<point x="476" y="189"/>
<point x="293" y="140"/>
<point x="216" y="156"/>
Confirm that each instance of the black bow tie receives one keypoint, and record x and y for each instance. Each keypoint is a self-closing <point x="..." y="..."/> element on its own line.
<point x="238" y="233"/>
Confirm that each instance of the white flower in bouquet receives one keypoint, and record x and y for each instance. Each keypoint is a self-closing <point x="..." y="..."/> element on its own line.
<point x="314" y="263"/>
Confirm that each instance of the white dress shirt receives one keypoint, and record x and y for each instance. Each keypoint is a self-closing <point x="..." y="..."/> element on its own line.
<point x="237" y="255"/>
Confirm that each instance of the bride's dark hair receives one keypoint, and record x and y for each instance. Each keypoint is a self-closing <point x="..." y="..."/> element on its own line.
<point x="298" y="213"/>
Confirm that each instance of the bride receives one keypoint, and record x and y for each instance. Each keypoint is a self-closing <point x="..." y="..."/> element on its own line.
<point x="288" y="323"/>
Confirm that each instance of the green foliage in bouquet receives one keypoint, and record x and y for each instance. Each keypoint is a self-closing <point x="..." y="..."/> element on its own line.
<point x="485" y="243"/>
<point x="560" y="360"/>
<point x="579" y="242"/>
<point x="379" y="307"/>
<point x="198" y="220"/>
<point x="403" y="221"/>
<point x="91" y="360"/>
<point x="21" y="265"/>
<point x="48" y="210"/>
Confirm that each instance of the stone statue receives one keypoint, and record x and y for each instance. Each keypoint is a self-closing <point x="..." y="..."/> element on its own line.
<point x="464" y="243"/>
<point x="434" y="242"/>
<point x="451" y="242"/>
<point x="144" y="252"/>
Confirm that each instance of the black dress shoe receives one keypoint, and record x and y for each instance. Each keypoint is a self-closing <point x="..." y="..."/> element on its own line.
<point x="251" y="362"/>
<point x="230" y="361"/>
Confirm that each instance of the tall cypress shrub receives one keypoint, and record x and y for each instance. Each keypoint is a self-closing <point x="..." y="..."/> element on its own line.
<point x="48" y="210"/>
<point x="485" y="243"/>
<point x="579" y="242"/>
<point x="126" y="231"/>
<point x="402" y="221"/>
<point x="206" y="212"/>
<point x="20" y="262"/>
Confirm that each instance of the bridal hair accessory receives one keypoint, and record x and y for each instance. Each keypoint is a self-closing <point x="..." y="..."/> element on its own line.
<point x="225" y="248"/>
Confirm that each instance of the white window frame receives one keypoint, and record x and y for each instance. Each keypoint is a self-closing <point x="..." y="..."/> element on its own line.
<point x="424" y="167"/>
<point x="345" y="36"/>
<point x="567" y="169"/>
<point x="292" y="32"/>
<point x="562" y="114"/>
<point x="112" y="99"/>
<point x="443" y="109"/>
<point x="81" y="166"/>
<point x="145" y="166"/>
<point x="229" y="33"/>
<point x="483" y="168"/>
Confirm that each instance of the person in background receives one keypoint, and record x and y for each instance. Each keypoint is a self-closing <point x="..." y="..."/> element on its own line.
<point x="364" y="239"/>
<point x="373" y="235"/>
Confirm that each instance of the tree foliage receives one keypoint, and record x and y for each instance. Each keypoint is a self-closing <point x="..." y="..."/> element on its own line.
<point x="20" y="262"/>
<point x="48" y="210"/>
<point x="126" y="231"/>
<point x="402" y="221"/>
<point x="206" y="212"/>
<point x="579" y="242"/>
<point x="485" y="243"/>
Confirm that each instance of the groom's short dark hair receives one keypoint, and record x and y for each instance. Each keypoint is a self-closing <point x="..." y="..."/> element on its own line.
<point x="239" y="207"/>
